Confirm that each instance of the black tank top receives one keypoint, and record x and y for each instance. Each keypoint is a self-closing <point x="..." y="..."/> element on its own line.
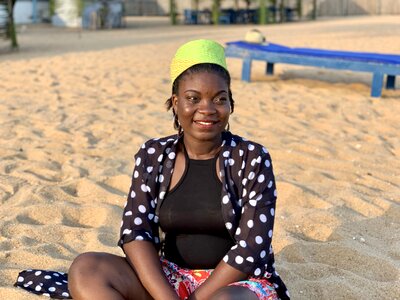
<point x="191" y="217"/>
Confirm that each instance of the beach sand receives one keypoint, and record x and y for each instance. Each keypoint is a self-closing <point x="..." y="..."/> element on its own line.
<point x="76" y="105"/>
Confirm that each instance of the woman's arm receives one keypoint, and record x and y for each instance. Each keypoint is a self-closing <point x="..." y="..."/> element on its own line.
<point x="222" y="276"/>
<point x="145" y="261"/>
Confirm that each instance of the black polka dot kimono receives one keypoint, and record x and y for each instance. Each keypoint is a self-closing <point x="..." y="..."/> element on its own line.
<point x="248" y="201"/>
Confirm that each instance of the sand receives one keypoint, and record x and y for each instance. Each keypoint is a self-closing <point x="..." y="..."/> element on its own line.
<point x="75" y="106"/>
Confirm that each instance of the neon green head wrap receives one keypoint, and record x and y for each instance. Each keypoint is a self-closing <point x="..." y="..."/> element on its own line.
<point x="197" y="52"/>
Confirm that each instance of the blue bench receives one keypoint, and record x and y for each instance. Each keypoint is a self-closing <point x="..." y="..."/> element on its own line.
<point x="377" y="64"/>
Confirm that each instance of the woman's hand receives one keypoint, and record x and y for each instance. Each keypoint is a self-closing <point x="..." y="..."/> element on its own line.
<point x="145" y="261"/>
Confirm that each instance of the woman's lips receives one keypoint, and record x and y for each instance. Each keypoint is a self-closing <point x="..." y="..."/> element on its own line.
<point x="205" y="123"/>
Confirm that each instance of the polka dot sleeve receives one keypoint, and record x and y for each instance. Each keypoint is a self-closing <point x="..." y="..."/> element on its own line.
<point x="253" y="235"/>
<point x="139" y="221"/>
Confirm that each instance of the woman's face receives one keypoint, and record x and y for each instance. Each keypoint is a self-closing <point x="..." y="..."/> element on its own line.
<point x="202" y="105"/>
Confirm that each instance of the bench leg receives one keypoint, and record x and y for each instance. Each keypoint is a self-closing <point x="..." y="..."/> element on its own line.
<point x="377" y="83"/>
<point x="270" y="69"/>
<point x="246" y="69"/>
<point x="390" y="82"/>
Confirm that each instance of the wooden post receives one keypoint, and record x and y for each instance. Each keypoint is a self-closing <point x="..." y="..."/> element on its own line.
<point x="11" y="32"/>
<point x="314" y="11"/>
<point x="262" y="12"/>
<point x="172" y="12"/>
<point x="215" y="12"/>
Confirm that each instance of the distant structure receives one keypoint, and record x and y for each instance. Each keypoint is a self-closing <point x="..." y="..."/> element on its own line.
<point x="35" y="11"/>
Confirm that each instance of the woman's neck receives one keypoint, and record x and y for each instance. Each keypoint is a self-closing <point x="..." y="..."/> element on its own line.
<point x="202" y="149"/>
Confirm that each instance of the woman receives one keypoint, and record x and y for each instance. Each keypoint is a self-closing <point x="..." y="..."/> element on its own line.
<point x="199" y="217"/>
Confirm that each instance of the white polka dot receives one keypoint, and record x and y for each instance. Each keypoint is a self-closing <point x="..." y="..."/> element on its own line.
<point x="161" y="196"/>
<point x="127" y="231"/>
<point x="244" y="192"/>
<point x="259" y="197"/>
<point x="267" y="163"/>
<point x="264" y="150"/>
<point x="259" y="239"/>
<point x="152" y="203"/>
<point x="139" y="238"/>
<point x="270" y="233"/>
<point x="253" y="202"/>
<point x="37" y="273"/>
<point x="128" y="213"/>
<point x="243" y="164"/>
<point x="258" y="159"/>
<point x="133" y="194"/>
<point x="155" y="219"/>
<point x="151" y="150"/>
<point x="150" y="216"/>
<point x="263" y="218"/>
<point x="252" y="175"/>
<point x="270" y="183"/>
<point x="257" y="272"/>
<point x="234" y="247"/>
<point x="228" y="225"/>
<point x="52" y="289"/>
<point x="250" y="259"/>
<point x="38" y="288"/>
<point x="138" y="161"/>
<point x="239" y="259"/>
<point x="225" y="259"/>
<point x="142" y="209"/>
<point x="253" y="162"/>
<point x="47" y="277"/>
<point x="135" y="174"/>
<point x="231" y="161"/>
<point x="160" y="157"/>
<point x="161" y="178"/>
<point x="238" y="231"/>
<point x="65" y="294"/>
<point x="250" y="147"/>
<point x="138" y="221"/>
<point x="252" y="194"/>
<point x="240" y="173"/>
<point x="233" y="144"/>
<point x="243" y="243"/>
<point x="225" y="154"/>
<point x="263" y="253"/>
<point x="272" y="211"/>
<point x="261" y="178"/>
<point x="46" y="294"/>
<point x="276" y="286"/>
<point x="149" y="169"/>
<point x="20" y="279"/>
<point x="250" y="223"/>
<point x="171" y="155"/>
<point x="244" y="181"/>
<point x="275" y="193"/>
<point x="287" y="294"/>
<point x="241" y="152"/>
<point x="225" y="199"/>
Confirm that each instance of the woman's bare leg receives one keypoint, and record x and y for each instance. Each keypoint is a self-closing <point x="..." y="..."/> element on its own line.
<point x="101" y="276"/>
<point x="234" y="293"/>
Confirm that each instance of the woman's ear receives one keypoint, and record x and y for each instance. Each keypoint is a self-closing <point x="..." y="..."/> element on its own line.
<point x="174" y="100"/>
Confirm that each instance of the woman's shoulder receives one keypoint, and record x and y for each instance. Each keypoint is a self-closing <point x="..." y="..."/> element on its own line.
<point x="244" y="144"/>
<point x="160" y="144"/>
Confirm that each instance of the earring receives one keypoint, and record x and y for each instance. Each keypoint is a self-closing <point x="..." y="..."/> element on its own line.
<point x="227" y="127"/>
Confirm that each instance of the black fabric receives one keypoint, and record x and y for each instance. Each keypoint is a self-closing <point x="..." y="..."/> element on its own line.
<point x="191" y="217"/>
<point x="48" y="283"/>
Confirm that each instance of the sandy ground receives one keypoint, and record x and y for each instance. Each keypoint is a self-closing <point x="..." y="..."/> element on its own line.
<point x="75" y="106"/>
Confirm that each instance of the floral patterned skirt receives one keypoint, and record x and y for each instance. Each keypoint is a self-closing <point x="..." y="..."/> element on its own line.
<point x="186" y="281"/>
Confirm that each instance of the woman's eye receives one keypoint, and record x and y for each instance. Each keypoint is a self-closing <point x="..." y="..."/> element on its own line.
<point x="192" y="98"/>
<point x="221" y="100"/>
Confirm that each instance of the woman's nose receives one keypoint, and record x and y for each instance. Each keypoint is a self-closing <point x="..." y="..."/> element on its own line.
<point x="207" y="106"/>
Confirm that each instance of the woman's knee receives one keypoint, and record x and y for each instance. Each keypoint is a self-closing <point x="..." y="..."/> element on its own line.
<point x="85" y="263"/>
